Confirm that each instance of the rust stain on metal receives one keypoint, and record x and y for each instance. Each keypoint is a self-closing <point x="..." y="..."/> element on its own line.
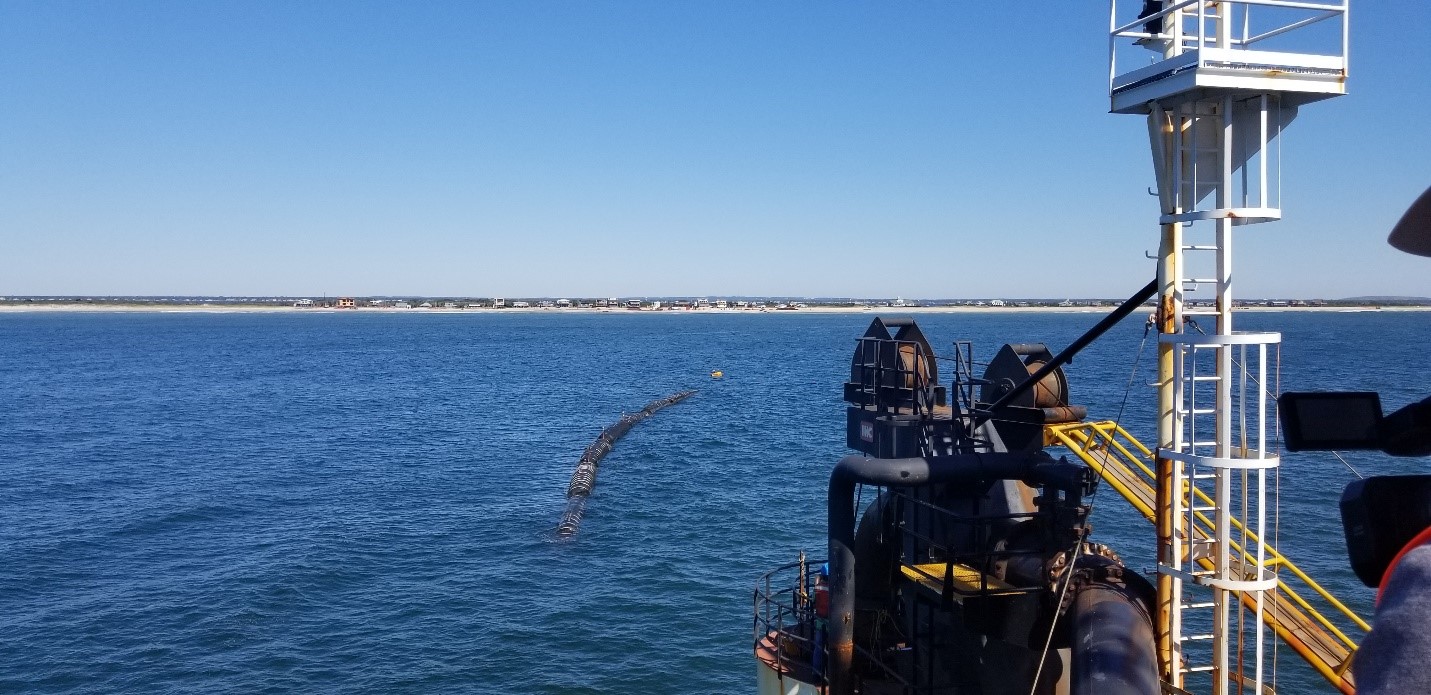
<point x="1165" y="315"/>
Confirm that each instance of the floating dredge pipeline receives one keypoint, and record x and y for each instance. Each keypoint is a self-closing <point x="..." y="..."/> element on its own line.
<point x="584" y="479"/>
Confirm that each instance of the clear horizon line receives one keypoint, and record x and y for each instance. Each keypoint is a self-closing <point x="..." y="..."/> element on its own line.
<point x="659" y="297"/>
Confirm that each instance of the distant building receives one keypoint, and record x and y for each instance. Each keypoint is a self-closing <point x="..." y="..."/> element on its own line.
<point x="564" y="303"/>
<point x="499" y="303"/>
<point x="347" y="303"/>
<point x="303" y="303"/>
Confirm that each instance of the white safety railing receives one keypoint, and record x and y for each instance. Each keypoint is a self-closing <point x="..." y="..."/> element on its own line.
<point x="1223" y="468"/>
<point x="1181" y="27"/>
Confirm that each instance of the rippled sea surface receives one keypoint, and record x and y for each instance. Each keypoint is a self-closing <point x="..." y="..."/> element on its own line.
<point x="235" y="503"/>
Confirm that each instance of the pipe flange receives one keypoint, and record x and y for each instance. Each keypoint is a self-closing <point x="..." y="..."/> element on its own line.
<point x="1110" y="570"/>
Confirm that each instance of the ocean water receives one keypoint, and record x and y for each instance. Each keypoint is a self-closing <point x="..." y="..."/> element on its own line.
<point x="237" y="503"/>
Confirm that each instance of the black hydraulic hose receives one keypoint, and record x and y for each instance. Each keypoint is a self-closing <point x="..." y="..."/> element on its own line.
<point x="1066" y="356"/>
<point x="584" y="479"/>
<point x="1033" y="467"/>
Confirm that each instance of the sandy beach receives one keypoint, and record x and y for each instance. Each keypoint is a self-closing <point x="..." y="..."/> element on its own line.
<point x="199" y="308"/>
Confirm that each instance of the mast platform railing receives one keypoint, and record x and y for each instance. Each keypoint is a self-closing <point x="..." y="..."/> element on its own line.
<point x="1224" y="44"/>
<point x="1125" y="464"/>
<point x="1174" y="17"/>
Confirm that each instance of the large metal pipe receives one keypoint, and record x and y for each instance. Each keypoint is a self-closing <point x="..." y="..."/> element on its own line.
<point x="1033" y="467"/>
<point x="1114" y="650"/>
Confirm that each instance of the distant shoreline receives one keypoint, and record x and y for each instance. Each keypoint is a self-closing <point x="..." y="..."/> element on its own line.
<point x="108" y="308"/>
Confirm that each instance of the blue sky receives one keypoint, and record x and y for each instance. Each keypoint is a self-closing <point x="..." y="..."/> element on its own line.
<point x="532" y="148"/>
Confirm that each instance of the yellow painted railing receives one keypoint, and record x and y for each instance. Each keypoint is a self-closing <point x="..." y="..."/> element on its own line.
<point x="1127" y="466"/>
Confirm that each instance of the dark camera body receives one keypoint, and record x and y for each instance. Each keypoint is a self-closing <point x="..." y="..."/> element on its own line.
<point x="1380" y="515"/>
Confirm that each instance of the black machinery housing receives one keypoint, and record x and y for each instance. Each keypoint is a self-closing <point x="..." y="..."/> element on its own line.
<point x="963" y="487"/>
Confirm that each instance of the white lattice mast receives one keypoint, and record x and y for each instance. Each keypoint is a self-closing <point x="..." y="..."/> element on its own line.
<point x="1222" y="81"/>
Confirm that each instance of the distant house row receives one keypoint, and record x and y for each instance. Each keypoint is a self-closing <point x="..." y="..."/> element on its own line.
<point x="503" y="303"/>
<point x="612" y="303"/>
<point x="661" y="305"/>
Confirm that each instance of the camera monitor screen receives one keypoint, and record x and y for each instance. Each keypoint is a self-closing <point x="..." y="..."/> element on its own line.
<point x="1330" y="421"/>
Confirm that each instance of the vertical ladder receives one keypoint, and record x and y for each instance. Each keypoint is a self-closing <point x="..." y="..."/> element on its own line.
<point x="1217" y="452"/>
<point x="1224" y="388"/>
<point x="1196" y="607"/>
